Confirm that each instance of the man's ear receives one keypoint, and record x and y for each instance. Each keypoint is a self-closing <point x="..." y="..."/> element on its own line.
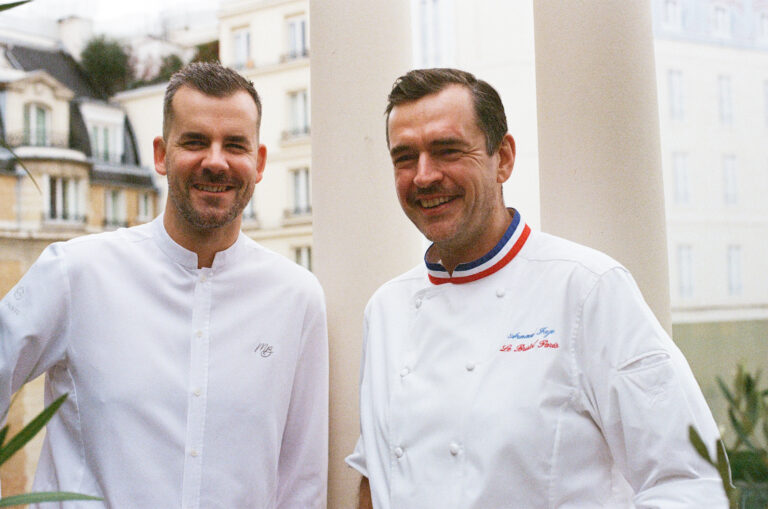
<point x="506" y="158"/>
<point x="261" y="160"/>
<point x="158" y="144"/>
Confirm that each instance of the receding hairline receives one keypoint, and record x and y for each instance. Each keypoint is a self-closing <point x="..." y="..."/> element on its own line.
<point x="446" y="86"/>
<point x="224" y="95"/>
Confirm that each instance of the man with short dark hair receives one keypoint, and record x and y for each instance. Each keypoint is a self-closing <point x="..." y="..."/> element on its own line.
<point x="513" y="369"/>
<point x="195" y="360"/>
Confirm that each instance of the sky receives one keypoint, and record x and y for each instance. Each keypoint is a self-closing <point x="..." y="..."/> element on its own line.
<point x="117" y="17"/>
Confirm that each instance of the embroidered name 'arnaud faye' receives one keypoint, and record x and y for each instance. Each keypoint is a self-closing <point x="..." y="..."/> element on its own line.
<point x="537" y="339"/>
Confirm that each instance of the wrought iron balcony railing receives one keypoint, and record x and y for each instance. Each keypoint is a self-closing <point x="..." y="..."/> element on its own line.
<point x="37" y="138"/>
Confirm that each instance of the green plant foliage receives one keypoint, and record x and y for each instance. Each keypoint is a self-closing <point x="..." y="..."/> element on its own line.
<point x="107" y="64"/>
<point x="18" y="161"/>
<point x="29" y="431"/>
<point x="748" y="451"/>
<point x="11" y="5"/>
<point x="207" y="52"/>
<point x="169" y="65"/>
<point x="20" y="440"/>
<point x="43" y="496"/>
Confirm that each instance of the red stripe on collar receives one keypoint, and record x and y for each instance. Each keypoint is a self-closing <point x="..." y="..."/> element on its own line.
<point x="490" y="270"/>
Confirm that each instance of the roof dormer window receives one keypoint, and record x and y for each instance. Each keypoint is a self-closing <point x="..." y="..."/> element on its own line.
<point x="37" y="125"/>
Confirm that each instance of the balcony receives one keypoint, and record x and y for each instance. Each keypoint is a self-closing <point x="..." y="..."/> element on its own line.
<point x="295" y="216"/>
<point x="294" y="55"/>
<point x="35" y="138"/>
<point x="295" y="133"/>
<point x="114" y="223"/>
<point x="115" y="159"/>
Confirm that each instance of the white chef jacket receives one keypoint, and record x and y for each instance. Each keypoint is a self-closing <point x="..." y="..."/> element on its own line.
<point x="534" y="377"/>
<point x="188" y="388"/>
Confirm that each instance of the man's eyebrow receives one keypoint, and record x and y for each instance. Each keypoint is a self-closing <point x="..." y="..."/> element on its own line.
<point x="238" y="139"/>
<point x="443" y="142"/>
<point x="399" y="149"/>
<point x="192" y="135"/>
<point x="440" y="142"/>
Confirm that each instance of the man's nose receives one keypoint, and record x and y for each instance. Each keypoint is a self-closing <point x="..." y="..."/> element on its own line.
<point x="215" y="158"/>
<point x="427" y="172"/>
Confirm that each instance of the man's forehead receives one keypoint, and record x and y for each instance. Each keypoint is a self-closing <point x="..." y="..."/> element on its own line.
<point x="451" y="95"/>
<point x="193" y="109"/>
<point x="191" y="96"/>
<point x="447" y="114"/>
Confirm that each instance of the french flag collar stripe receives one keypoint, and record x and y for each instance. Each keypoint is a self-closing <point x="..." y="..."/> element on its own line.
<point x="498" y="257"/>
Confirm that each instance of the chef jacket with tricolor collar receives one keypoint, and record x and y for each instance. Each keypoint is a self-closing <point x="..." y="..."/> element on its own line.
<point x="534" y="377"/>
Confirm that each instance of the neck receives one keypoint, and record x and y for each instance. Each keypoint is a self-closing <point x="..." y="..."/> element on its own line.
<point x="472" y="247"/>
<point x="203" y="242"/>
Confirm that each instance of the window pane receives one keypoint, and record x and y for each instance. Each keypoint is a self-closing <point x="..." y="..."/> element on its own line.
<point x="730" y="180"/>
<point x="685" y="270"/>
<point x="734" y="270"/>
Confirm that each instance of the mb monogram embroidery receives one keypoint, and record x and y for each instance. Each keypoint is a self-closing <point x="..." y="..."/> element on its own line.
<point x="265" y="349"/>
<point x="536" y="339"/>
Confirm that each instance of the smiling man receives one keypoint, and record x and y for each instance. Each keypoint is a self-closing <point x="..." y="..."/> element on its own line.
<point x="513" y="369"/>
<point x="195" y="360"/>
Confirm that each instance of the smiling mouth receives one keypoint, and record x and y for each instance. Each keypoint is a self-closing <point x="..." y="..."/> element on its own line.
<point x="430" y="203"/>
<point x="211" y="188"/>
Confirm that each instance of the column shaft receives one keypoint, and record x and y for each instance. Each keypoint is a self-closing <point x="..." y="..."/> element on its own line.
<point x="599" y="145"/>
<point x="361" y="237"/>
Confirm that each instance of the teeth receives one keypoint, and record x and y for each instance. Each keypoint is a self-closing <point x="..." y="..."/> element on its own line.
<point x="434" y="202"/>
<point x="211" y="189"/>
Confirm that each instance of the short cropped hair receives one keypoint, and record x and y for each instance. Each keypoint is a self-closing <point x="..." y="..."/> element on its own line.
<point x="489" y="110"/>
<point x="210" y="78"/>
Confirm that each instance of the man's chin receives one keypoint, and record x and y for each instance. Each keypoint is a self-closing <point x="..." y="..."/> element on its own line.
<point x="210" y="221"/>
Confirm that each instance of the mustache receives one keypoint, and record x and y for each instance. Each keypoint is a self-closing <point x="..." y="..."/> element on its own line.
<point x="431" y="190"/>
<point x="218" y="178"/>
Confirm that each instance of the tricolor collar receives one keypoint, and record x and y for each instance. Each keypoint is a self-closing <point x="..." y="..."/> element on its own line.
<point x="502" y="253"/>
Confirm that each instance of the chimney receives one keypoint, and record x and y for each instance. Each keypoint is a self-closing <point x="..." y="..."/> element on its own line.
<point x="74" y="34"/>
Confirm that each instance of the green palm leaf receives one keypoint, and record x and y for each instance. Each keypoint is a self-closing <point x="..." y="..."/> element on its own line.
<point x="43" y="496"/>
<point x="30" y="430"/>
<point x="12" y="5"/>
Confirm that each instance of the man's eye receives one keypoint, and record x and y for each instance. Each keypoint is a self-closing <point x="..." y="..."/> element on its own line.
<point x="402" y="159"/>
<point x="237" y="146"/>
<point x="192" y="143"/>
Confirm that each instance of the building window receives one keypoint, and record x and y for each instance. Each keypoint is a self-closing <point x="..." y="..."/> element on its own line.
<point x="146" y="207"/>
<point x="249" y="212"/>
<point x="65" y="201"/>
<point x="433" y="30"/>
<point x="301" y="192"/>
<point x="685" y="270"/>
<point x="297" y="37"/>
<point x="673" y="16"/>
<point x="298" y="115"/>
<point x="241" y="45"/>
<point x="104" y="143"/>
<point x="721" y="21"/>
<point x="114" y="208"/>
<point x="763" y="30"/>
<point x="36" y="125"/>
<point x="676" y="105"/>
<point x="734" y="270"/>
<point x="730" y="180"/>
<point x="303" y="256"/>
<point x="725" y="100"/>
<point x="765" y="102"/>
<point x="680" y="172"/>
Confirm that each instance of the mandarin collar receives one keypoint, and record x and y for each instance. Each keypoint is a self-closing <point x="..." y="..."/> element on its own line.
<point x="184" y="256"/>
<point x="500" y="255"/>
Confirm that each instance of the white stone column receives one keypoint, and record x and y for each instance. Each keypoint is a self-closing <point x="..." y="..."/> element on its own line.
<point x="361" y="236"/>
<point x="599" y="146"/>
